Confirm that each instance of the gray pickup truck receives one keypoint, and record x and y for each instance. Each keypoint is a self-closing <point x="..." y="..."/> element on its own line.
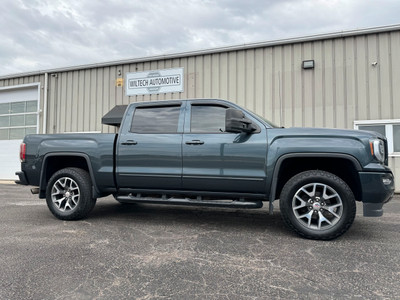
<point x="213" y="153"/>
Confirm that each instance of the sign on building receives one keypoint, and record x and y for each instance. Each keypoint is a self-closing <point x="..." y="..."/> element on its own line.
<point x="154" y="82"/>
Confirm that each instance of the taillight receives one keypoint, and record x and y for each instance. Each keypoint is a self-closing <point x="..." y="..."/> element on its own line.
<point x="22" y="152"/>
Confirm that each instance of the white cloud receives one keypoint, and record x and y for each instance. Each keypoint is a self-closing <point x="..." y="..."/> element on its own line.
<point x="44" y="34"/>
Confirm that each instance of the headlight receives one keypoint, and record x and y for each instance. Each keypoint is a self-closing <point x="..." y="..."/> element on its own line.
<point x="377" y="149"/>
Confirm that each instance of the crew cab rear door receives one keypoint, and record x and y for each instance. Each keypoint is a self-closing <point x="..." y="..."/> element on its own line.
<point x="149" y="147"/>
<point x="218" y="161"/>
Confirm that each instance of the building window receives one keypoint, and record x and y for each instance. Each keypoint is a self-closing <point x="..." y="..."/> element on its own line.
<point x="18" y="119"/>
<point x="388" y="128"/>
<point x="396" y="138"/>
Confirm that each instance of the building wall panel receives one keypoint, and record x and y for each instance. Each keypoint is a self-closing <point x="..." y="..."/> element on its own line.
<point x="339" y="111"/>
<point x="85" y="91"/>
<point x="259" y="78"/>
<point x="286" y="86"/>
<point x="385" y="82"/>
<point x="318" y="90"/>
<point x="373" y="79"/>
<point x="350" y="82"/>
<point x="297" y="87"/>
<point x="329" y="84"/>
<point x="307" y="91"/>
<point x="99" y="98"/>
<point x="395" y="74"/>
<point x="361" y="77"/>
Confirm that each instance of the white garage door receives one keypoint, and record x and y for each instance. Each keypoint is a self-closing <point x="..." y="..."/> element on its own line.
<point x="18" y="117"/>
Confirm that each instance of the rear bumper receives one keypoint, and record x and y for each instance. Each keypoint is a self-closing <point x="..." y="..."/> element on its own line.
<point x="22" y="178"/>
<point x="377" y="189"/>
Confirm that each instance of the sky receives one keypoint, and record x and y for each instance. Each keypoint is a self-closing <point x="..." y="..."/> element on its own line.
<point x="37" y="35"/>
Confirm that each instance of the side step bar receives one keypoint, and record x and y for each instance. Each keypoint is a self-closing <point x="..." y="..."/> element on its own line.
<point x="187" y="201"/>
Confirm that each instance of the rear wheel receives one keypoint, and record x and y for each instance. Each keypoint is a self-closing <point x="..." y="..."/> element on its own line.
<point x="69" y="194"/>
<point x="317" y="205"/>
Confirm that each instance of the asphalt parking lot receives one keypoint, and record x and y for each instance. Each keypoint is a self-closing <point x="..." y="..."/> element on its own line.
<point x="174" y="252"/>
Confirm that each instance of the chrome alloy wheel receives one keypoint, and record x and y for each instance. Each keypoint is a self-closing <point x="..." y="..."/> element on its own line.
<point x="317" y="206"/>
<point x="65" y="194"/>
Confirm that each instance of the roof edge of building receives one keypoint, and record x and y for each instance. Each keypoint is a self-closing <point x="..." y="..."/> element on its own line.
<point x="310" y="38"/>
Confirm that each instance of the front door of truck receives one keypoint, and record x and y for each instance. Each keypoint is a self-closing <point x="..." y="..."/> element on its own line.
<point x="149" y="152"/>
<point x="218" y="161"/>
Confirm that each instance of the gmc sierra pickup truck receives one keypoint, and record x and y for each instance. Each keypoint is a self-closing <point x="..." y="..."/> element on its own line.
<point x="213" y="153"/>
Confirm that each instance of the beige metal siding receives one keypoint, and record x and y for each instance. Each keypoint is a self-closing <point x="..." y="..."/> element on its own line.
<point x="344" y="86"/>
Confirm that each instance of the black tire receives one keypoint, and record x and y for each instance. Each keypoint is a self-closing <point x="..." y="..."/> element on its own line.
<point x="317" y="205"/>
<point x="69" y="194"/>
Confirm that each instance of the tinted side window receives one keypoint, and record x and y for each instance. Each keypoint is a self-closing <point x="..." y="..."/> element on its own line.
<point x="207" y="119"/>
<point x="156" y="119"/>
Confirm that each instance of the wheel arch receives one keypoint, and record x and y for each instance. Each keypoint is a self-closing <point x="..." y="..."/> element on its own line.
<point x="344" y="166"/>
<point x="54" y="162"/>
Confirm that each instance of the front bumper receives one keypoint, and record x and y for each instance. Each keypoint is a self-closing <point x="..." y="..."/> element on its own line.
<point x="377" y="189"/>
<point x="22" y="178"/>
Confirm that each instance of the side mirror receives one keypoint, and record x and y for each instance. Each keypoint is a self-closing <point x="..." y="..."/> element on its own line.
<point x="235" y="121"/>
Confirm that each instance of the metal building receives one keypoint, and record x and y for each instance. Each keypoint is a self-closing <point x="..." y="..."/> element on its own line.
<point x="340" y="80"/>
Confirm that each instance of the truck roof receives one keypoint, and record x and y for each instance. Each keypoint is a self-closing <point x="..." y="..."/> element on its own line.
<point x="115" y="115"/>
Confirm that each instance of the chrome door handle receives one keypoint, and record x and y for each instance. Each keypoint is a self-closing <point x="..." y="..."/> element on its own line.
<point x="129" y="142"/>
<point x="194" y="142"/>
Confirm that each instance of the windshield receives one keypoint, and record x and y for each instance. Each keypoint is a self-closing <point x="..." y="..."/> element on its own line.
<point x="267" y="121"/>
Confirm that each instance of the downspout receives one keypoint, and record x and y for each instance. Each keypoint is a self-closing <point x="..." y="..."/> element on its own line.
<point x="46" y="83"/>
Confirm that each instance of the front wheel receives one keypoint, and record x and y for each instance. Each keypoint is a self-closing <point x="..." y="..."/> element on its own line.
<point x="69" y="194"/>
<point x="317" y="205"/>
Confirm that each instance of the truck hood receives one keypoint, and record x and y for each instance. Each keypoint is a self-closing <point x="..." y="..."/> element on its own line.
<point x="354" y="143"/>
<point x="275" y="133"/>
